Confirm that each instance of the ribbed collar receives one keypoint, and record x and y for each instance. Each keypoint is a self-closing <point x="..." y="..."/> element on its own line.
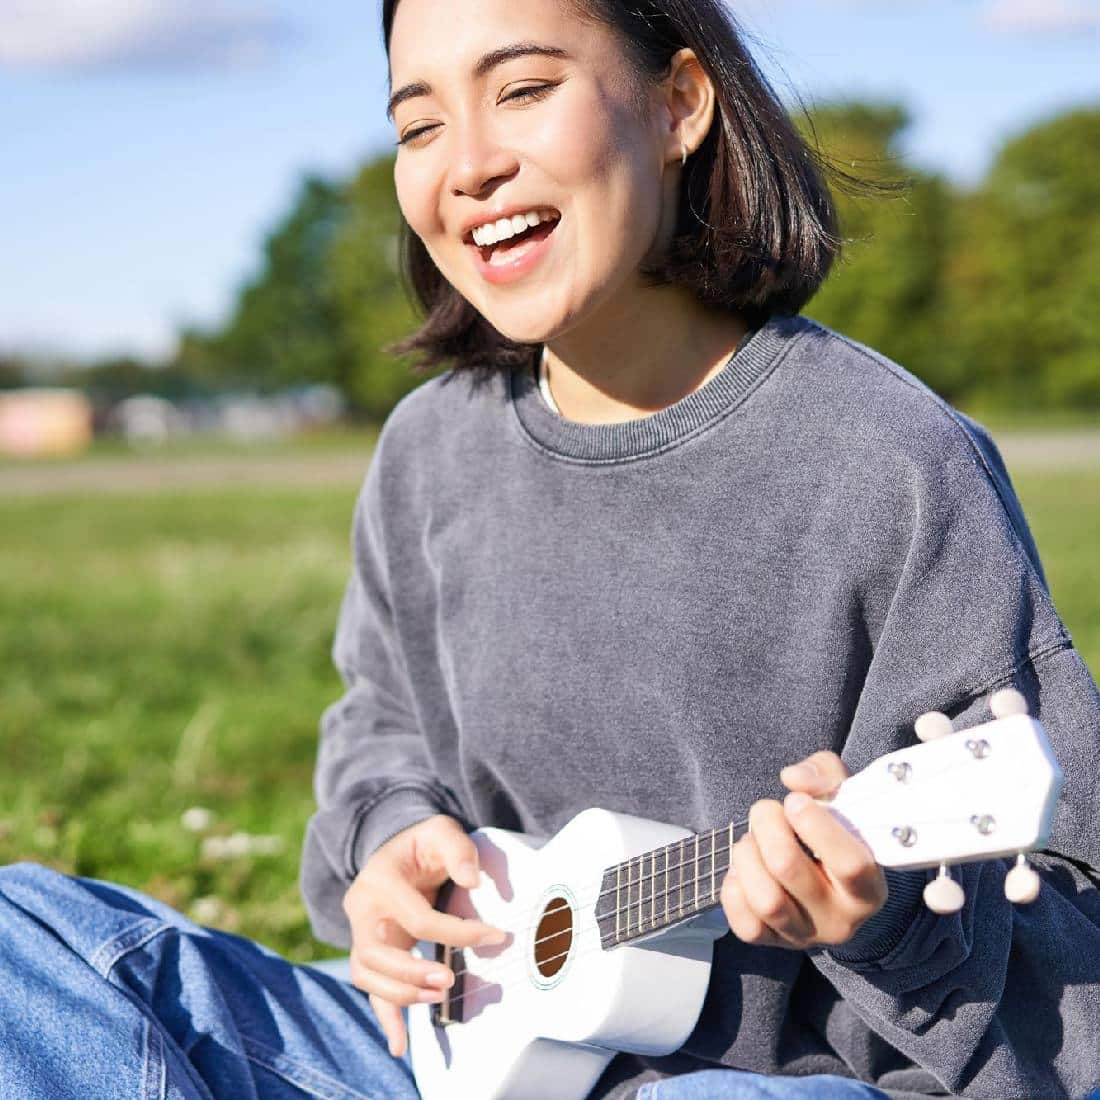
<point x="634" y="438"/>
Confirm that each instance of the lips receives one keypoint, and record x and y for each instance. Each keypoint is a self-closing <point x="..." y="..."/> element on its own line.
<point x="527" y="253"/>
<point x="533" y="233"/>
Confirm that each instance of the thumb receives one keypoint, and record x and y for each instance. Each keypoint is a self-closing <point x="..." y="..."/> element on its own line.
<point x="819" y="774"/>
<point x="459" y="854"/>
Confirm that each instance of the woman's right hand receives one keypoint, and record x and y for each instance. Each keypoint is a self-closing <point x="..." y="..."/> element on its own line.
<point x="391" y="905"/>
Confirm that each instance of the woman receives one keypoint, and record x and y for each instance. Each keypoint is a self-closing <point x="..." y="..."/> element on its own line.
<point x="654" y="537"/>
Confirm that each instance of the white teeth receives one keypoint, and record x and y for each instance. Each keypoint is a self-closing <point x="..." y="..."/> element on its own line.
<point x="501" y="230"/>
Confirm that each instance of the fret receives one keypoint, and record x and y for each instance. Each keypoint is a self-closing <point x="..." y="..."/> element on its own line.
<point x="618" y="902"/>
<point x="713" y="862"/>
<point x="638" y="896"/>
<point x="705" y="861"/>
<point x="695" y="873"/>
<point x="626" y="908"/>
<point x="653" y="888"/>
<point x="666" y="885"/>
<point x="641" y="894"/>
<point x="683" y="906"/>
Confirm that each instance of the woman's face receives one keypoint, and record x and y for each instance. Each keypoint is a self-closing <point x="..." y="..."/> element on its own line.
<point x="577" y="146"/>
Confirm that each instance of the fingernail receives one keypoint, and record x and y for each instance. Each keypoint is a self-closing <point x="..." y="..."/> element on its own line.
<point x="467" y="875"/>
<point x="492" y="939"/>
<point x="430" y="995"/>
<point x="797" y="801"/>
<point x="439" y="977"/>
<point x="800" y="773"/>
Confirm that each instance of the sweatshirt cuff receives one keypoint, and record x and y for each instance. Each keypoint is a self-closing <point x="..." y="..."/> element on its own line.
<point x="385" y="817"/>
<point x="881" y="934"/>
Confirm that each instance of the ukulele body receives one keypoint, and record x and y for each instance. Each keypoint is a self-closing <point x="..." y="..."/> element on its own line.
<point x="543" y="1014"/>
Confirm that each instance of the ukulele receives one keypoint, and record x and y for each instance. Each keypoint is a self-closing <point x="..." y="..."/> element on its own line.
<point x="612" y="921"/>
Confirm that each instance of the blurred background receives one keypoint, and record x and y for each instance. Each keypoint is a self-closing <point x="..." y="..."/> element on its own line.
<point x="199" y="273"/>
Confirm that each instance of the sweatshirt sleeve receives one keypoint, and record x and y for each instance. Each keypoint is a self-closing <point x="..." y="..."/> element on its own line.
<point x="995" y="1000"/>
<point x="373" y="776"/>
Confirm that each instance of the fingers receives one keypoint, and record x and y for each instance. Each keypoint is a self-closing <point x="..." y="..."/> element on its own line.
<point x="819" y="774"/>
<point x="765" y="897"/>
<point x="845" y="859"/>
<point x="392" y="1022"/>
<point x="458" y="854"/>
<point x="784" y="858"/>
<point x="401" y="967"/>
<point x="743" y="921"/>
<point x="410" y="909"/>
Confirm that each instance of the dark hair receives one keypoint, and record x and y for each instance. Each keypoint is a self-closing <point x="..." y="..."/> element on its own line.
<point x="756" y="230"/>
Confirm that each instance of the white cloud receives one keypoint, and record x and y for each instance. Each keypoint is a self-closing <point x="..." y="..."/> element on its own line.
<point x="85" y="34"/>
<point x="1042" y="16"/>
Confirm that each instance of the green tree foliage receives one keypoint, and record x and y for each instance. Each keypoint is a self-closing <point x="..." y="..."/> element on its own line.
<point x="287" y="327"/>
<point x="371" y="302"/>
<point x="887" y="290"/>
<point x="1025" y="275"/>
<point x="989" y="296"/>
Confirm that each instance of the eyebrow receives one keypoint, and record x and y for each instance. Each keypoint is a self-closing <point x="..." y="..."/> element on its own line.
<point x="484" y="64"/>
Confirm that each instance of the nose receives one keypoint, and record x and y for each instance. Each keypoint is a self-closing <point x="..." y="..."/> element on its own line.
<point x="479" y="160"/>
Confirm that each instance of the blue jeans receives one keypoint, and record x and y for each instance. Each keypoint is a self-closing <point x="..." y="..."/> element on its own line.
<point x="106" y="993"/>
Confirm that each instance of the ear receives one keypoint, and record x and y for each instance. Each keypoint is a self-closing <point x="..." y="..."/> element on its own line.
<point x="689" y="103"/>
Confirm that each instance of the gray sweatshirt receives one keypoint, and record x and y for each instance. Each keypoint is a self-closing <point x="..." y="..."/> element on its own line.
<point x="655" y="616"/>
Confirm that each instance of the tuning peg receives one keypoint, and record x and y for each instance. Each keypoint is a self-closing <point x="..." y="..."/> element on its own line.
<point x="1006" y="702"/>
<point x="932" y="725"/>
<point x="943" y="894"/>
<point x="1022" y="883"/>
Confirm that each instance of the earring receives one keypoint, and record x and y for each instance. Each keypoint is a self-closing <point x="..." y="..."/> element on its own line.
<point x="684" y="158"/>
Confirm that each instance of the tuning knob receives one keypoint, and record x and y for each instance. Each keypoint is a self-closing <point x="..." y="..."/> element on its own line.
<point x="943" y="894"/>
<point x="1022" y="883"/>
<point x="1006" y="702"/>
<point x="932" y="725"/>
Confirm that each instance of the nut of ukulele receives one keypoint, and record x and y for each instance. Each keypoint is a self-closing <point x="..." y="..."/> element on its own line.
<point x="1022" y="883"/>
<point x="943" y="894"/>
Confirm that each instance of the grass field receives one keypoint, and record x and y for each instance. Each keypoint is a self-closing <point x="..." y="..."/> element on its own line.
<point x="163" y="652"/>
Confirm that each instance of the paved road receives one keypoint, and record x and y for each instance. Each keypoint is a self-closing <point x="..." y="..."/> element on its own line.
<point x="150" y="474"/>
<point x="1022" y="452"/>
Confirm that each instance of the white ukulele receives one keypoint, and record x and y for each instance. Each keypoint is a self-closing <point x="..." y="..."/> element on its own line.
<point x="612" y="920"/>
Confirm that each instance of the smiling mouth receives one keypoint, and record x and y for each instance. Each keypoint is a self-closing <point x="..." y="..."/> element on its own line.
<point x="517" y="243"/>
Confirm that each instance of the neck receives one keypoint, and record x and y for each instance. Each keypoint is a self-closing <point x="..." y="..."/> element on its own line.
<point x="665" y="886"/>
<point x="642" y="359"/>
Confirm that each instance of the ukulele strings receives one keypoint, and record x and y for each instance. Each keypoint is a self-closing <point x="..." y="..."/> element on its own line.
<point x="685" y="908"/>
<point x="681" y="910"/>
<point x="854" y="804"/>
<point x="514" y="967"/>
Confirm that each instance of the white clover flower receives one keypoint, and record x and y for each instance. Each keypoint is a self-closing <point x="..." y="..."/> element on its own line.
<point x="197" y="819"/>
<point x="206" y="910"/>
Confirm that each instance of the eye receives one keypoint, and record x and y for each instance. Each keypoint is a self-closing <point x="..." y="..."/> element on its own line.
<point x="413" y="134"/>
<point x="536" y="91"/>
<point x="531" y="94"/>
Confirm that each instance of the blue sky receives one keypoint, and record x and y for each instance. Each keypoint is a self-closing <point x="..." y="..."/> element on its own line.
<point x="149" y="144"/>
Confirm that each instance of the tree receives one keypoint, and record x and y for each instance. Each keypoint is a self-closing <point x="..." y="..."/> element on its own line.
<point x="1025" y="271"/>
<point x="888" y="288"/>
<point x="287" y="327"/>
<point x="371" y="300"/>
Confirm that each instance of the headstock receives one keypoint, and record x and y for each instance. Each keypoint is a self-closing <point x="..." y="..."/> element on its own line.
<point x="981" y="793"/>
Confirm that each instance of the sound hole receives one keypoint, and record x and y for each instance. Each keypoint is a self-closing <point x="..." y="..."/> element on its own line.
<point x="553" y="937"/>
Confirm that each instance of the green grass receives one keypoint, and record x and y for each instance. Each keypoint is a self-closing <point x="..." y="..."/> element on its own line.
<point x="163" y="652"/>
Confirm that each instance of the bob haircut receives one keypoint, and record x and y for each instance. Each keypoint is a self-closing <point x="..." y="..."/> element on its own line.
<point x="756" y="231"/>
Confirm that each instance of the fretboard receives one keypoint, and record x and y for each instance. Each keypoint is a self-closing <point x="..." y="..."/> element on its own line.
<point x="663" y="887"/>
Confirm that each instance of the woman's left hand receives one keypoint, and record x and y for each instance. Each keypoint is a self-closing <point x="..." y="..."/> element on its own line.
<point x="778" y="896"/>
